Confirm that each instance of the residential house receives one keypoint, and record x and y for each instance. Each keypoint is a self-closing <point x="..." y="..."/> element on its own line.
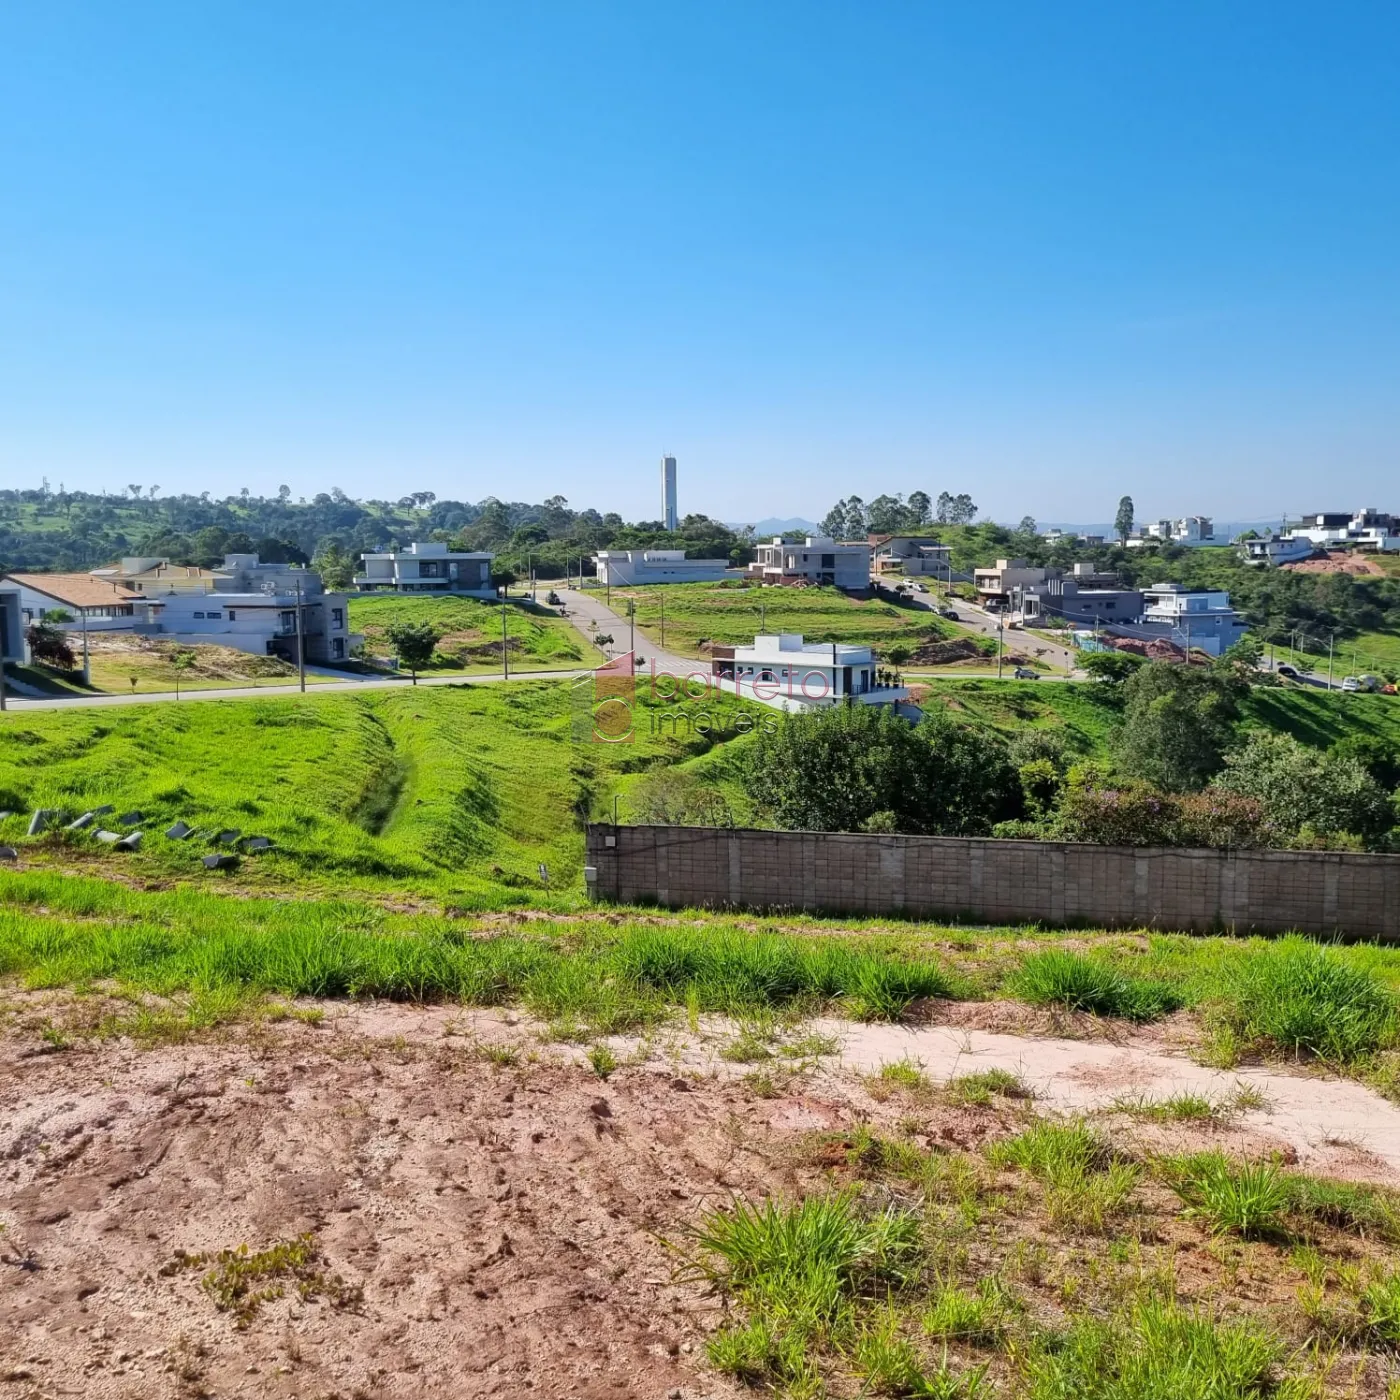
<point x="1064" y="598"/>
<point x="154" y="576"/>
<point x="814" y="559"/>
<point x="12" y="643"/>
<point x="253" y="607"/>
<point x="1191" y="531"/>
<point x="910" y="555"/>
<point x="623" y="567"/>
<point x="88" y="602"/>
<point x="996" y="585"/>
<point x="427" y="568"/>
<point x="784" y="671"/>
<point x="1367" y="529"/>
<point x="1194" y="618"/>
<point x="1273" y="550"/>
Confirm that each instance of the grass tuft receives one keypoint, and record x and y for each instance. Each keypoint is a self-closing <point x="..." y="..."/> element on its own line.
<point x="1249" y="1199"/>
<point x="1059" y="977"/>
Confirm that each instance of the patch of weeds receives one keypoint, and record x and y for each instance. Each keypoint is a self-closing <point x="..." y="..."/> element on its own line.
<point x="752" y="1044"/>
<point x="53" y="1037"/>
<point x="1086" y="1185"/>
<point x="497" y="1053"/>
<point x="889" y="1364"/>
<point x="1345" y="1205"/>
<point x="601" y="1057"/>
<point x="1060" y="977"/>
<point x="875" y="1154"/>
<point x="977" y="1317"/>
<point x="812" y="1045"/>
<point x="763" y="1084"/>
<point x="903" y="1074"/>
<point x="762" y="1351"/>
<point x="1380" y="1311"/>
<point x="240" y="1282"/>
<point x="1155" y="1351"/>
<point x="1304" y="1000"/>
<point x="978" y="1089"/>
<point x="1249" y="1199"/>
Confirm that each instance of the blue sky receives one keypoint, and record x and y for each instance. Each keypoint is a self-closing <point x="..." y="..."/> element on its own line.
<point x="1044" y="253"/>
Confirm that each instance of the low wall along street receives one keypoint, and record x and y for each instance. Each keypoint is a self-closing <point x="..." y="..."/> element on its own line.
<point x="989" y="881"/>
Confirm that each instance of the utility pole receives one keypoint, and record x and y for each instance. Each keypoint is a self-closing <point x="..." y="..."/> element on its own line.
<point x="1331" y="641"/>
<point x="632" y="626"/>
<point x="661" y="598"/>
<point x="87" y="668"/>
<point x="301" y="644"/>
<point x="505" y="648"/>
<point x="1001" y="645"/>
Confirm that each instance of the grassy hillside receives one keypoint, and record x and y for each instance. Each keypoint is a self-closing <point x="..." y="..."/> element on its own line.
<point x="538" y="638"/>
<point x="1083" y="716"/>
<point x="732" y="614"/>
<point x="449" y="791"/>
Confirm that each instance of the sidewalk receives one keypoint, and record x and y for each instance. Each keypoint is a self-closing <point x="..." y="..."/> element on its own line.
<point x="586" y="608"/>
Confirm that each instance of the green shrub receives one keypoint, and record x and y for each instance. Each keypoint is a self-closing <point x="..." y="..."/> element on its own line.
<point x="1306" y="1000"/>
<point x="1059" y="977"/>
<point x="1248" y="1199"/>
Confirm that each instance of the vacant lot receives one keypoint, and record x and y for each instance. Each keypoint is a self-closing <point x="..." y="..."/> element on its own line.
<point x="469" y="629"/>
<point x="700" y="613"/>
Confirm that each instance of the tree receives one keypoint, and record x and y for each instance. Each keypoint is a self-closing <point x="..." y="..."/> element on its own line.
<point x="1027" y="525"/>
<point x="414" y="642"/>
<point x="920" y="508"/>
<point x="1379" y="759"/>
<point x="862" y="767"/>
<point x="1111" y="668"/>
<point x="1177" y="723"/>
<point x="49" y="646"/>
<point x="846" y="520"/>
<point x="956" y="510"/>
<point x="1307" y="793"/>
<point x="1123" y="521"/>
<point x="334" y="564"/>
<point x="898" y="656"/>
<point x="670" y="796"/>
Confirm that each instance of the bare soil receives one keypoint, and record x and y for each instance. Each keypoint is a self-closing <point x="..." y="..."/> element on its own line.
<point x="1338" y="563"/>
<point x="487" y="1216"/>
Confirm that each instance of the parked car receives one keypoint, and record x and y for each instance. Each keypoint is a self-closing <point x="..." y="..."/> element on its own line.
<point x="1024" y="673"/>
<point x="950" y="613"/>
<point x="1351" y="683"/>
<point x="920" y="588"/>
<point x="1290" y="671"/>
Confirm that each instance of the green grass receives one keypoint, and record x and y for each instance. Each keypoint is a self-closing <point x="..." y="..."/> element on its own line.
<point x="538" y="638"/>
<point x="1249" y="1199"/>
<point x="444" y="790"/>
<point x="736" y="613"/>
<point x="1087" y="1187"/>
<point x="1059" y="977"/>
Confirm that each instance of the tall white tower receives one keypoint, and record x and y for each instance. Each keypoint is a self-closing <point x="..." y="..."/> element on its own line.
<point x="668" y="492"/>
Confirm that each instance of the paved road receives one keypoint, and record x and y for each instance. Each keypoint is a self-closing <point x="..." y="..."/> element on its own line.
<point x="251" y="692"/>
<point x="584" y="609"/>
<point x="977" y="619"/>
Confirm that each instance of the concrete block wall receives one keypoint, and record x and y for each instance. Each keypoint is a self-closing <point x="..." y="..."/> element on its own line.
<point x="998" y="881"/>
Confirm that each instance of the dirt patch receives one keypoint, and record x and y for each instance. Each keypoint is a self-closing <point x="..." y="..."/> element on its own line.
<point x="1358" y="564"/>
<point x="482" y="1214"/>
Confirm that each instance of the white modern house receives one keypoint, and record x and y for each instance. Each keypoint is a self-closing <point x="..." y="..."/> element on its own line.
<point x="1191" y="531"/>
<point x="624" y="567"/>
<point x="1193" y="618"/>
<point x="1367" y="529"/>
<point x="1273" y="550"/>
<point x="253" y="607"/>
<point x="813" y="560"/>
<point x="789" y="674"/>
<point x="427" y="568"/>
<point x="88" y="602"/>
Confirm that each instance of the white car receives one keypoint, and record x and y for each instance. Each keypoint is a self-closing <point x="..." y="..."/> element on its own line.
<point x="1351" y="683"/>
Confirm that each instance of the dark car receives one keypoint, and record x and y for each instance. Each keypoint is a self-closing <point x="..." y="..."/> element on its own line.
<point x="950" y="613"/>
<point x="1290" y="671"/>
<point x="1024" y="673"/>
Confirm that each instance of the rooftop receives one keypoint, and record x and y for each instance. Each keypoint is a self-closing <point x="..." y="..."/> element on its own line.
<point x="78" y="590"/>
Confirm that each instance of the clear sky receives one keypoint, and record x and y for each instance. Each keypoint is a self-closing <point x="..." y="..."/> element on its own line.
<point x="1043" y="252"/>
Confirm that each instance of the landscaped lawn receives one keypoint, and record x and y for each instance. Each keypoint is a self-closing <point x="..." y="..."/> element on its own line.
<point x="733" y="614"/>
<point x="470" y="633"/>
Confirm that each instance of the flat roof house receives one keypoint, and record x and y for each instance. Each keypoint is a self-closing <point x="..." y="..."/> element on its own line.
<point x="427" y="567"/>
<point x="622" y="567"/>
<point x="1088" y="607"/>
<point x="998" y="583"/>
<point x="784" y="671"/>
<point x="1200" y="618"/>
<point x="813" y="560"/>
<point x="254" y="609"/>
<point x="1366" y="529"/>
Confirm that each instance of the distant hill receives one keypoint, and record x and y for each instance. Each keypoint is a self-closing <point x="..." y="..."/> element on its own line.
<point x="774" y="526"/>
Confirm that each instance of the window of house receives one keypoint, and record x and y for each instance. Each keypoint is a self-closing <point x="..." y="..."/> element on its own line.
<point x="232" y="615"/>
<point x="200" y="616"/>
<point x="337" y="617"/>
<point x="766" y="674"/>
<point x="828" y="561"/>
<point x="338" y="648"/>
<point x="216" y="617"/>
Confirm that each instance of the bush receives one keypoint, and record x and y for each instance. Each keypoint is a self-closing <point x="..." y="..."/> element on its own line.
<point x="1178" y="722"/>
<point x="1059" y="977"/>
<point x="50" y="647"/>
<point x="1307" y="1000"/>
<point x="1130" y="815"/>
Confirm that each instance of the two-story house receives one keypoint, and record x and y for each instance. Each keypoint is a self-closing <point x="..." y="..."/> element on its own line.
<point x="427" y="567"/>
<point x="813" y="560"/>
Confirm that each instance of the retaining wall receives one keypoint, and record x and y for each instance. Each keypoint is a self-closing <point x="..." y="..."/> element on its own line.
<point x="989" y="881"/>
